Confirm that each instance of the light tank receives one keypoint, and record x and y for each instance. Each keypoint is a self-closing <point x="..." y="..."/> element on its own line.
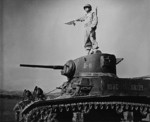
<point x="93" y="93"/>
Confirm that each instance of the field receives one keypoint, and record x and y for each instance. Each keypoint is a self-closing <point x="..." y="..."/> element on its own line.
<point x="7" y="102"/>
<point x="6" y="109"/>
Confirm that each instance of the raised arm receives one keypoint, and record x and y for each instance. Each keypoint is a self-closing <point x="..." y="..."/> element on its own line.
<point x="81" y="19"/>
<point x="73" y="22"/>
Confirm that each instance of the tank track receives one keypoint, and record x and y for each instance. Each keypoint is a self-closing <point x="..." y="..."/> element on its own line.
<point x="49" y="109"/>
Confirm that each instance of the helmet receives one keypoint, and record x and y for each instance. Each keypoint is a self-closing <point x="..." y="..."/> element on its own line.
<point x="88" y="6"/>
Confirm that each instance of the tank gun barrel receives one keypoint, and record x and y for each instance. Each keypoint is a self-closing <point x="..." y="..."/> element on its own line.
<point x="43" y="66"/>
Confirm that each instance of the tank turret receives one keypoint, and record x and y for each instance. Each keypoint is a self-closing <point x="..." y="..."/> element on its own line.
<point x="95" y="64"/>
<point x="84" y="73"/>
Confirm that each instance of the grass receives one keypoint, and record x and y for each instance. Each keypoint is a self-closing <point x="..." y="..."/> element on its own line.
<point x="6" y="109"/>
<point x="7" y="102"/>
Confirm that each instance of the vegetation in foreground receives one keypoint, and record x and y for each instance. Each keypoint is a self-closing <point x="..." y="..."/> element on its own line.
<point x="8" y="99"/>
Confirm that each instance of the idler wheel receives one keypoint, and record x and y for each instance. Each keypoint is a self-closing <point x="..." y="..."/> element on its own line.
<point x="69" y="69"/>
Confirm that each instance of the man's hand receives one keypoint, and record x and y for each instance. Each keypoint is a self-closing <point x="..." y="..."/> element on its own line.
<point x="71" y="23"/>
<point x="74" y="23"/>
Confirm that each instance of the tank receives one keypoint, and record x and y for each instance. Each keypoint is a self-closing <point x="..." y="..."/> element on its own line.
<point x="92" y="93"/>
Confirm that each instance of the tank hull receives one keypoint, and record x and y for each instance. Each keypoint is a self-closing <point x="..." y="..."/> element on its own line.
<point x="93" y="93"/>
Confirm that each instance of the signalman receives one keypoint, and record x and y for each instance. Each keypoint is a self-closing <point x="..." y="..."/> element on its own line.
<point x="91" y="20"/>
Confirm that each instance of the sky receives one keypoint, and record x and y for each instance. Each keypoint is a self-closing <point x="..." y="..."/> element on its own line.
<point x="33" y="32"/>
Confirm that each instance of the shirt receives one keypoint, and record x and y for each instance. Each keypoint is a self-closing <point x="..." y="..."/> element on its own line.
<point x="90" y="19"/>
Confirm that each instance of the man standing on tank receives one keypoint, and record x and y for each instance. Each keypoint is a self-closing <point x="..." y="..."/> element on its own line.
<point x="91" y="21"/>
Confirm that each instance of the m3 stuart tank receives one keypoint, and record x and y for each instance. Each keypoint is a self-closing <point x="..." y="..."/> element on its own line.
<point x="93" y="93"/>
